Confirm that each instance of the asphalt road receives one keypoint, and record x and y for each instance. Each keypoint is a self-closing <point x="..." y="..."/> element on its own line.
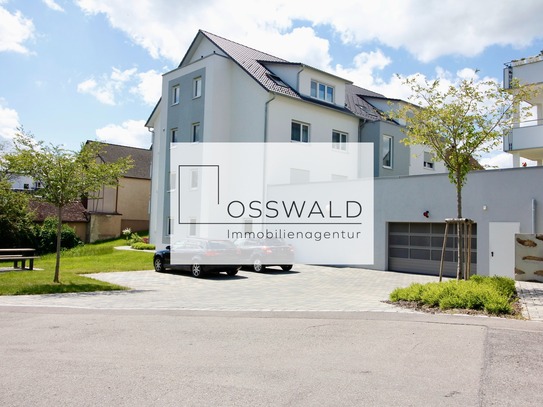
<point x="88" y="357"/>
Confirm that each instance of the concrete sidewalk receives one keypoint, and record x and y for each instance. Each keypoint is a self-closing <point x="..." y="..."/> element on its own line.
<point x="531" y="296"/>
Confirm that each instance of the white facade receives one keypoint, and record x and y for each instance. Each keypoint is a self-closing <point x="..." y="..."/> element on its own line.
<point x="525" y="140"/>
<point x="249" y="96"/>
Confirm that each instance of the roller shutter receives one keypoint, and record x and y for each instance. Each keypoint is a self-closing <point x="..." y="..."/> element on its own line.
<point x="416" y="248"/>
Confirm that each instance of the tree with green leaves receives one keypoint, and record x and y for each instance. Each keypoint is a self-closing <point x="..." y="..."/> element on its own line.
<point x="459" y="122"/>
<point x="16" y="220"/>
<point x="65" y="176"/>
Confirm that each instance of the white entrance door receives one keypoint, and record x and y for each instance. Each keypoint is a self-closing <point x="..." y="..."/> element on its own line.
<point x="502" y="248"/>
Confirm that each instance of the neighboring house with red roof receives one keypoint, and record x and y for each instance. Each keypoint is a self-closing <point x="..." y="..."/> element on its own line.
<point x="127" y="205"/>
<point x="74" y="215"/>
<point x="114" y="209"/>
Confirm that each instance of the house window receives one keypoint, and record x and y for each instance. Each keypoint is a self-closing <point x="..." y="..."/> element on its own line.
<point x="322" y="91"/>
<point x="174" y="135"/>
<point x="339" y="140"/>
<point x="175" y="95"/>
<point x="194" y="179"/>
<point x="428" y="160"/>
<point x="387" y="151"/>
<point x="196" y="133"/>
<point x="192" y="227"/>
<point x="299" y="132"/>
<point x="197" y="87"/>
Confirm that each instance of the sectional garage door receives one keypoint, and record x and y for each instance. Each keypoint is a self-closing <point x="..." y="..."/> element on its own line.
<point x="416" y="248"/>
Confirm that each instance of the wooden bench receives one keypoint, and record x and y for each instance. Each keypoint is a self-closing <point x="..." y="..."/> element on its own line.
<point x="21" y="255"/>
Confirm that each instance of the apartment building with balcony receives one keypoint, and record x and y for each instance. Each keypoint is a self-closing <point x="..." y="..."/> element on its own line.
<point x="223" y="91"/>
<point x="525" y="140"/>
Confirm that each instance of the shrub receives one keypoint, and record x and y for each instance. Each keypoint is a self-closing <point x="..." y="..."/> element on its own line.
<point x="411" y="293"/>
<point x="135" y="238"/>
<point x="434" y="292"/>
<point x="46" y="236"/>
<point x="142" y="246"/>
<point x="16" y="219"/>
<point x="491" y="294"/>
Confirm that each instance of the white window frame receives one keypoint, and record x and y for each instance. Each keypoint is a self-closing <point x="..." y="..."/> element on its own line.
<point x="341" y="143"/>
<point x="197" y="87"/>
<point x="195" y="133"/>
<point x="328" y="91"/>
<point x="176" y="94"/>
<point x="388" y="144"/>
<point x="301" y="127"/>
<point x="428" y="161"/>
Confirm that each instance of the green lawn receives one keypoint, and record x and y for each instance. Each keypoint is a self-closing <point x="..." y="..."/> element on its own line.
<point x="90" y="258"/>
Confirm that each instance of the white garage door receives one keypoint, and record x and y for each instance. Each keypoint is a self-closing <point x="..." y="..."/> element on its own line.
<point x="416" y="248"/>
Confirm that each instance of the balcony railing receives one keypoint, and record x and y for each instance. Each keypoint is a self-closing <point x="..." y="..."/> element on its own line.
<point x="527" y="135"/>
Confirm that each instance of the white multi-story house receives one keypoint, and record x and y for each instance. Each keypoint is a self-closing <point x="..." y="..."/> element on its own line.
<point x="223" y="91"/>
<point x="525" y="140"/>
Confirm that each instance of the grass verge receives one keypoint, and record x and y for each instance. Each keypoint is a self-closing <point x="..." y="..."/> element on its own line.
<point x="41" y="282"/>
<point x="489" y="295"/>
<point x="90" y="258"/>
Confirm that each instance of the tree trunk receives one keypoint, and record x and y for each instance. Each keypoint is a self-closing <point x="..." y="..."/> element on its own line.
<point x="459" y="228"/>
<point x="56" y="279"/>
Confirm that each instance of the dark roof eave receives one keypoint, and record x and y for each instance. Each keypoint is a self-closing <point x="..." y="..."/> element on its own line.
<point x="147" y="123"/>
<point x="325" y="104"/>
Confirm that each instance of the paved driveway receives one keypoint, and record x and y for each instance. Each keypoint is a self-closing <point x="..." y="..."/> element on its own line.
<point x="304" y="288"/>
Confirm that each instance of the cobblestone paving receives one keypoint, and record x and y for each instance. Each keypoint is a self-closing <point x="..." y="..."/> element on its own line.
<point x="304" y="288"/>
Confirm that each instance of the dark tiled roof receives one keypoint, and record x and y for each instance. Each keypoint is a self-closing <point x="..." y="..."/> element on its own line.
<point x="74" y="212"/>
<point x="252" y="61"/>
<point x="355" y="102"/>
<point x="255" y="63"/>
<point x="142" y="158"/>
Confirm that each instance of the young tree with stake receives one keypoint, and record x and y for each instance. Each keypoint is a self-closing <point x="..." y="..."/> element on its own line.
<point x="65" y="176"/>
<point x="458" y="122"/>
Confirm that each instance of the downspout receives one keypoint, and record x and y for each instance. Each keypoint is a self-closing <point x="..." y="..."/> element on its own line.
<point x="361" y="125"/>
<point x="298" y="78"/>
<point x="265" y="153"/>
<point x="266" y="113"/>
<point x="533" y="215"/>
<point x="152" y="226"/>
